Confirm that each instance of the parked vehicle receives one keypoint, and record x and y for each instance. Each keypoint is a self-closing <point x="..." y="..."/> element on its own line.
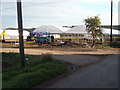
<point x="42" y="37"/>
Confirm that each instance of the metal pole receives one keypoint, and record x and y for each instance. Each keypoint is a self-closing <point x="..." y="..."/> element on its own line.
<point x="111" y="20"/>
<point x="20" y="28"/>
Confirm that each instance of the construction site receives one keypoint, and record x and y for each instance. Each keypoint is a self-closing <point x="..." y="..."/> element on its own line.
<point x="49" y="36"/>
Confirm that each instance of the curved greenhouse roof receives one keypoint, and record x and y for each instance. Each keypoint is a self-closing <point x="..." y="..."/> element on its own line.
<point x="14" y="34"/>
<point x="80" y="29"/>
<point x="47" y="28"/>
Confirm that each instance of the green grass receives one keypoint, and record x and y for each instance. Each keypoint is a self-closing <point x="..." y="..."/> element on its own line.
<point x="99" y="46"/>
<point x="114" y="37"/>
<point x="38" y="69"/>
<point x="114" y="45"/>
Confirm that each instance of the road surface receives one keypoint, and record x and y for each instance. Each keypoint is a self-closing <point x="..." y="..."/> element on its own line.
<point x="81" y="60"/>
<point x="101" y="75"/>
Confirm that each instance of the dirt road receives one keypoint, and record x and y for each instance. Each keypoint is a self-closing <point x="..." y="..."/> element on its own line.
<point x="76" y="56"/>
<point x="62" y="51"/>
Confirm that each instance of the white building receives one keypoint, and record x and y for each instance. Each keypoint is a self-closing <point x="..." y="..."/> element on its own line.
<point x="78" y="31"/>
<point x="13" y="34"/>
<point x="49" y="28"/>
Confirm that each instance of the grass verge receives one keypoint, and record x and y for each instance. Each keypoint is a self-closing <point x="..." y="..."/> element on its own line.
<point x="38" y="69"/>
<point x="114" y="45"/>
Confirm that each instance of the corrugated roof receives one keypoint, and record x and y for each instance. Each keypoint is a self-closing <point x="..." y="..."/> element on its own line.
<point x="77" y="29"/>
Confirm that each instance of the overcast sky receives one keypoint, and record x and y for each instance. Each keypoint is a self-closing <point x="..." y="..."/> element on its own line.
<point x="57" y="12"/>
<point x="119" y="13"/>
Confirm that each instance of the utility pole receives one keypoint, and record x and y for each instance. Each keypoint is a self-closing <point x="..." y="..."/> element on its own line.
<point x="20" y="28"/>
<point x="111" y="20"/>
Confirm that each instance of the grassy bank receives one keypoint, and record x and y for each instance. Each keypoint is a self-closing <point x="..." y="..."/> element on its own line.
<point x="38" y="69"/>
<point x="114" y="45"/>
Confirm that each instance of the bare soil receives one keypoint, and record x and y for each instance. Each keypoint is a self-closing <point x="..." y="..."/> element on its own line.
<point x="64" y="50"/>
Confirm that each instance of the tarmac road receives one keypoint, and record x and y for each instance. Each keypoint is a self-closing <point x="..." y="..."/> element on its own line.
<point x="81" y="60"/>
<point x="101" y="75"/>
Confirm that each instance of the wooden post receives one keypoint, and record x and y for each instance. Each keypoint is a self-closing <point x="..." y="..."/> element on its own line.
<point x="20" y="28"/>
<point x="111" y="20"/>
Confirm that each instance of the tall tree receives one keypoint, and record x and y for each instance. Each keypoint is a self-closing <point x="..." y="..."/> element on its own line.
<point x="93" y="27"/>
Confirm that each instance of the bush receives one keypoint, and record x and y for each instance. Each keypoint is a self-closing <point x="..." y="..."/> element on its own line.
<point x="114" y="45"/>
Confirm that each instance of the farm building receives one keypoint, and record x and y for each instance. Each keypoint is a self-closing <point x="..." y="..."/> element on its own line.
<point x="78" y="31"/>
<point x="50" y="29"/>
<point x="65" y="33"/>
<point x="12" y="34"/>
